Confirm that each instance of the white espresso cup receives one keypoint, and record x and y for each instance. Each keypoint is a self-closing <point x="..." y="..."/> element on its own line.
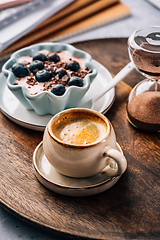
<point x="81" y="142"/>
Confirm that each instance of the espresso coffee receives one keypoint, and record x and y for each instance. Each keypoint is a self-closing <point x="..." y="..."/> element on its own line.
<point x="78" y="141"/>
<point x="80" y="128"/>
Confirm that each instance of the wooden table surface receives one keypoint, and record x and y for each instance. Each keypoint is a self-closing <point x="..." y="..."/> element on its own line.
<point x="128" y="210"/>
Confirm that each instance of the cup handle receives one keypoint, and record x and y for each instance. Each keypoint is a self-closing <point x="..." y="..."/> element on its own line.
<point x="116" y="157"/>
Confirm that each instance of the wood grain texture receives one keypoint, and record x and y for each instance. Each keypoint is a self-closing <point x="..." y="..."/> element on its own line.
<point x="129" y="210"/>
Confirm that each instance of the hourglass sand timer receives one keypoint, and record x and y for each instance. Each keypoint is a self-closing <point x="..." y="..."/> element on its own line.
<point x="143" y="106"/>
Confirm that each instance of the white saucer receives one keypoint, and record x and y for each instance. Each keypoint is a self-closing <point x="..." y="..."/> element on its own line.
<point x="15" y="111"/>
<point x="76" y="187"/>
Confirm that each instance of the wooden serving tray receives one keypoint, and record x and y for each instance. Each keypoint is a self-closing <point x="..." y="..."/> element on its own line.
<point x="128" y="210"/>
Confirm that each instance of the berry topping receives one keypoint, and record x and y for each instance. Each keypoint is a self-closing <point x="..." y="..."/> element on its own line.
<point x="61" y="72"/>
<point x="39" y="56"/>
<point x="58" y="90"/>
<point x="43" y="76"/>
<point x="75" y="81"/>
<point x="54" y="57"/>
<point x="36" y="65"/>
<point x="73" y="65"/>
<point x="19" y="70"/>
<point x="50" y="70"/>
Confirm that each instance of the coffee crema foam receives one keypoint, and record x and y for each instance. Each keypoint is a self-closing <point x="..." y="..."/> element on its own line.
<point x="80" y="128"/>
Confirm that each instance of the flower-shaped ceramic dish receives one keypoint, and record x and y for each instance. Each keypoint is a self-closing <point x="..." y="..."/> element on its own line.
<point x="46" y="102"/>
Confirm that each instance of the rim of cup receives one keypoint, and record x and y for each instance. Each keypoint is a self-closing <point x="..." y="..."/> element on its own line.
<point x="64" y="112"/>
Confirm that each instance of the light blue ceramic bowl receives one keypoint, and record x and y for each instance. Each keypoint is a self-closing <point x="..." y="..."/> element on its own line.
<point x="45" y="102"/>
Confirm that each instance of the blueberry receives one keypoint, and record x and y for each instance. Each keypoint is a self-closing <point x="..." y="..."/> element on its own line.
<point x="36" y="65"/>
<point x="39" y="56"/>
<point x="73" y="65"/>
<point x="58" y="89"/>
<point x="75" y="81"/>
<point x="61" y="72"/>
<point x="19" y="70"/>
<point x="54" y="57"/>
<point x="43" y="76"/>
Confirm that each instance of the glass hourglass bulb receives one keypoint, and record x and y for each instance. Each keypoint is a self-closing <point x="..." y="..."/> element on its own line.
<point x="143" y="106"/>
